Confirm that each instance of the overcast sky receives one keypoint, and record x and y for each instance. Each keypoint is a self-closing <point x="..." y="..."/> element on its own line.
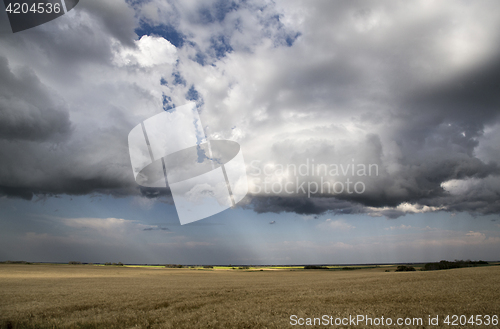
<point x="408" y="89"/>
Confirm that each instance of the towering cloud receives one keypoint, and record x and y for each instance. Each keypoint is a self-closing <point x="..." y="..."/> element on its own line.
<point x="410" y="88"/>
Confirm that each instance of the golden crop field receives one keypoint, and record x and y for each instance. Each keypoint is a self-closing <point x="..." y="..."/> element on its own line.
<point x="84" y="296"/>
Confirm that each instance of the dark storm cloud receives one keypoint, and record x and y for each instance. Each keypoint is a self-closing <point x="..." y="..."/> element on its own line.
<point x="30" y="168"/>
<point x="116" y="17"/>
<point x="93" y="157"/>
<point x="470" y="99"/>
<point x="304" y="206"/>
<point x="428" y="122"/>
<point x="437" y="141"/>
<point x="62" y="126"/>
<point x="27" y="112"/>
<point x="330" y="81"/>
<point x="437" y="137"/>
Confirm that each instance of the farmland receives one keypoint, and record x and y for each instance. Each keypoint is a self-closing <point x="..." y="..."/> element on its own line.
<point x="86" y="296"/>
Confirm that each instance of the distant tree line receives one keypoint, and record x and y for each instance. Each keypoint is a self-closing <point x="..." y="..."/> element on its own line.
<point x="174" y="266"/>
<point x="315" y="267"/>
<point x="445" y="265"/>
<point x="351" y="268"/>
<point x="345" y="268"/>
<point x="15" y="262"/>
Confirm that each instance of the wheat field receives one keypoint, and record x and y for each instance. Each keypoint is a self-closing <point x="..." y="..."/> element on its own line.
<point x="85" y="296"/>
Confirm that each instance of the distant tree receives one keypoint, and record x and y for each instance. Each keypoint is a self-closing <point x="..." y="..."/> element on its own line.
<point x="315" y="267"/>
<point x="445" y="265"/>
<point x="74" y="263"/>
<point x="174" y="266"/>
<point x="404" y="268"/>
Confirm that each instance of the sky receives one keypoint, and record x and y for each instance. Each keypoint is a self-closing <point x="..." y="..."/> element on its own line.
<point x="370" y="130"/>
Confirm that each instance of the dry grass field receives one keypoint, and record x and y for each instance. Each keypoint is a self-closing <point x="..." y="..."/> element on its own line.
<point x="83" y="296"/>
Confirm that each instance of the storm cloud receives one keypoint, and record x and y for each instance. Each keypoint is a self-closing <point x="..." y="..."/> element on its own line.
<point x="409" y="87"/>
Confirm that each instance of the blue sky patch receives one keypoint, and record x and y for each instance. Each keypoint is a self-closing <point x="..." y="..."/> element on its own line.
<point x="200" y="58"/>
<point x="135" y="3"/>
<point x="217" y="13"/>
<point x="290" y="39"/>
<point x="192" y="94"/>
<point x="165" y="31"/>
<point x="167" y="103"/>
<point x="220" y="46"/>
<point x="178" y="79"/>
